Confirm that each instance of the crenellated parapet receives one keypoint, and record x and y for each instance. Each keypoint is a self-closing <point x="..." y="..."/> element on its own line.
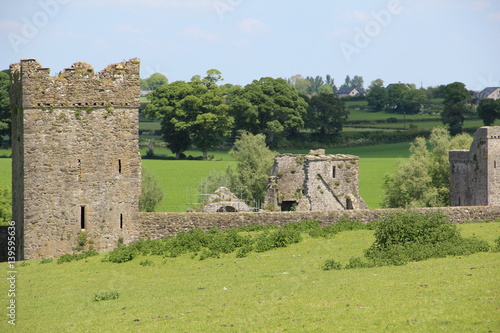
<point x="117" y="85"/>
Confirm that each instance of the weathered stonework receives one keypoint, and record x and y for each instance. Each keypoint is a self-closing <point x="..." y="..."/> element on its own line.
<point x="76" y="162"/>
<point x="314" y="182"/>
<point x="475" y="173"/>
<point x="224" y="201"/>
<point x="160" y="225"/>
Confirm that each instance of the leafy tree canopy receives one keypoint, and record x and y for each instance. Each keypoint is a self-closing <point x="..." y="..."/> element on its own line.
<point x="5" y="115"/>
<point x="456" y="98"/>
<point x="153" y="82"/>
<point x="326" y="115"/>
<point x="269" y="106"/>
<point x="193" y="112"/>
<point x="488" y="110"/>
<point x="424" y="179"/>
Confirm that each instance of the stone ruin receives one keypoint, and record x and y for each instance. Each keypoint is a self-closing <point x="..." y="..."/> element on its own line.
<point x="474" y="173"/>
<point x="75" y="156"/>
<point x="314" y="182"/>
<point x="224" y="201"/>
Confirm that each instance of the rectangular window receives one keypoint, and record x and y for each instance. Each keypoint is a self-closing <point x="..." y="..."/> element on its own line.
<point x="121" y="221"/>
<point x="82" y="217"/>
<point x="495" y="164"/>
<point x="119" y="166"/>
<point x="333" y="171"/>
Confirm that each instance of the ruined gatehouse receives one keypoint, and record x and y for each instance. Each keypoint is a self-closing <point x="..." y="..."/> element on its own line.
<point x="314" y="182"/>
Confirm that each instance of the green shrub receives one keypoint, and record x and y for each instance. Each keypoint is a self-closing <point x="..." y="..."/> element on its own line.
<point x="404" y="236"/>
<point x="205" y="254"/>
<point x="121" y="254"/>
<point x="359" y="263"/>
<point x="77" y="256"/>
<point x="244" y="251"/>
<point x="496" y="247"/>
<point x="146" y="263"/>
<point x="331" y="264"/>
<point x="46" y="260"/>
<point x="105" y="296"/>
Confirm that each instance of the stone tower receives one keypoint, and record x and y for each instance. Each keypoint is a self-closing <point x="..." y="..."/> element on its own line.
<point x="314" y="182"/>
<point x="475" y="173"/>
<point x="76" y="165"/>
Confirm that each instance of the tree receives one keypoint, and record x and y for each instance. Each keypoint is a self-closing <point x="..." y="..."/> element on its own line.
<point x="396" y="97"/>
<point x="376" y="83"/>
<point x="151" y="193"/>
<point x="330" y="81"/>
<point x="488" y="110"/>
<point x="456" y="98"/>
<point x="414" y="100"/>
<point x="255" y="160"/>
<point x="357" y="82"/>
<point x="300" y="83"/>
<point x="5" y="205"/>
<point x="153" y="82"/>
<point x="347" y="82"/>
<point x="5" y="115"/>
<point x="193" y="112"/>
<point x="326" y="115"/>
<point x="377" y="97"/>
<point x="269" y="106"/>
<point x="424" y="179"/>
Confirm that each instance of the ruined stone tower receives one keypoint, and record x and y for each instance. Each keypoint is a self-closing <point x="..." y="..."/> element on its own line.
<point x="475" y="173"/>
<point x="76" y="163"/>
<point x="314" y="182"/>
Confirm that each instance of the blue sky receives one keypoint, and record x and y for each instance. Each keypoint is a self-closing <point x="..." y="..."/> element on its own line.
<point x="427" y="42"/>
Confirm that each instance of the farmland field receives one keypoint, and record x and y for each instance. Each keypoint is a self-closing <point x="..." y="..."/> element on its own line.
<point x="180" y="179"/>
<point x="275" y="291"/>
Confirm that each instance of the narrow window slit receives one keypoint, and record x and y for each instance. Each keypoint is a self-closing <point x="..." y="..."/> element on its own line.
<point x="82" y="217"/>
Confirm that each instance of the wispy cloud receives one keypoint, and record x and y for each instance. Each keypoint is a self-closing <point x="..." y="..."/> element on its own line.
<point x="494" y="16"/>
<point x="10" y="26"/>
<point x="127" y="28"/>
<point x="252" y="26"/>
<point x="198" y="33"/>
<point x="360" y="16"/>
<point x="157" y="4"/>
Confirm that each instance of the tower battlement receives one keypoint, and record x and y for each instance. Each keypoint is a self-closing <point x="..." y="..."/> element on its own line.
<point x="76" y="166"/>
<point x="78" y="85"/>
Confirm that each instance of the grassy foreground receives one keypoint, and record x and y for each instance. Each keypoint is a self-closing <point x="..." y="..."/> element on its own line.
<point x="276" y="291"/>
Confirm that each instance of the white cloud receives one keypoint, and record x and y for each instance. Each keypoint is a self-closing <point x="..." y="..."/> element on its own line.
<point x="198" y="33"/>
<point x="252" y="26"/>
<point x="494" y="16"/>
<point x="10" y="26"/>
<point x="127" y="28"/>
<point x="481" y="4"/>
<point x="360" y="16"/>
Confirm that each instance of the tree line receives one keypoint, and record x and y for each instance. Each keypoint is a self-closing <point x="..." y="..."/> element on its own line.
<point x="202" y="112"/>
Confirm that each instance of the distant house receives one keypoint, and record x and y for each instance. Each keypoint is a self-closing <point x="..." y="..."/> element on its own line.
<point x="145" y="92"/>
<point x="491" y="92"/>
<point x="351" y="91"/>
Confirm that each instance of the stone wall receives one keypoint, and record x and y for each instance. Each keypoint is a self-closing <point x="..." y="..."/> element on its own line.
<point x="76" y="161"/>
<point x="160" y="225"/>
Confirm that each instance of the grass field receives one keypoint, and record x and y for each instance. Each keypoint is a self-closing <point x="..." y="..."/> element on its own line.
<point x="283" y="290"/>
<point x="180" y="178"/>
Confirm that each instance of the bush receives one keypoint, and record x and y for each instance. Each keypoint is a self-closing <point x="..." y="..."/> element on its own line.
<point x="146" y="263"/>
<point x="77" y="256"/>
<point x="46" y="260"/>
<point x="359" y="263"/>
<point x="496" y="248"/>
<point x="121" y="254"/>
<point x="331" y="264"/>
<point x="105" y="296"/>
<point x="405" y="236"/>
<point x="5" y="205"/>
<point x="151" y="193"/>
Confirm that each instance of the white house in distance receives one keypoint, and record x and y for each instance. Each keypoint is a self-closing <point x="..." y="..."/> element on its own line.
<point x="490" y="92"/>
<point x="350" y="91"/>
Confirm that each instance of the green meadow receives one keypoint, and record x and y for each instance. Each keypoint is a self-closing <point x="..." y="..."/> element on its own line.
<point x="282" y="290"/>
